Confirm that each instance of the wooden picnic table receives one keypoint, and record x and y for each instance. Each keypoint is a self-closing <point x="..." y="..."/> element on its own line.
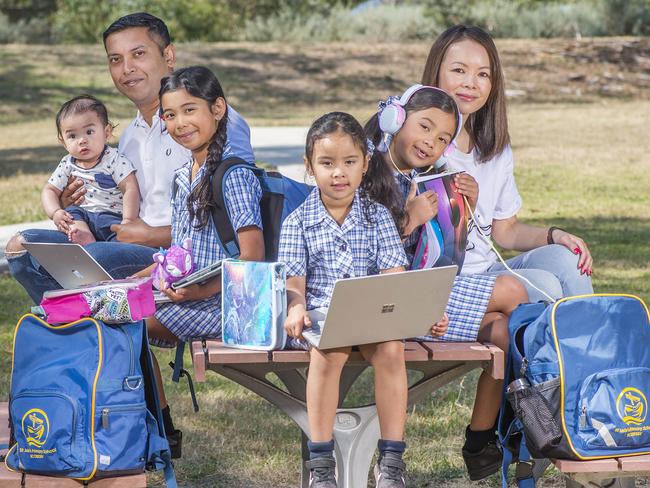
<point x="618" y="472"/>
<point x="356" y="428"/>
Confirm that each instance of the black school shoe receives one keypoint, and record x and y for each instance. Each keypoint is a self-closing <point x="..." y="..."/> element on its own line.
<point x="483" y="463"/>
<point x="175" y="440"/>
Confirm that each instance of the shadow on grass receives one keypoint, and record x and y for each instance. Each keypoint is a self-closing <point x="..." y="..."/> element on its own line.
<point x="257" y="80"/>
<point x="30" y="160"/>
<point x="28" y="95"/>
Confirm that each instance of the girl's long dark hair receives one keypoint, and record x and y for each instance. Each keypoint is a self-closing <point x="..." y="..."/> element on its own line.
<point x="422" y="99"/>
<point x="201" y="83"/>
<point x="378" y="184"/>
<point x="488" y="127"/>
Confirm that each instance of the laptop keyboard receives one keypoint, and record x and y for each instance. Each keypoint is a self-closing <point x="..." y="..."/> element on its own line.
<point x="313" y="333"/>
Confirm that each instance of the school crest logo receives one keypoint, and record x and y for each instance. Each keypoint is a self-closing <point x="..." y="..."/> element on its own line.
<point x="36" y="427"/>
<point x="632" y="406"/>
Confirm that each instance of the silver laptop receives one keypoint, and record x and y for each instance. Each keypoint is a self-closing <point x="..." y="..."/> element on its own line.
<point x="69" y="264"/>
<point x="73" y="267"/>
<point x="380" y="308"/>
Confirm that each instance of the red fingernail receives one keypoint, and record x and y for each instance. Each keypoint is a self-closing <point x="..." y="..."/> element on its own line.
<point x="576" y="250"/>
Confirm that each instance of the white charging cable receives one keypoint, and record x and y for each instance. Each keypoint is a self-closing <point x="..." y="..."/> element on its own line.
<point x="489" y="241"/>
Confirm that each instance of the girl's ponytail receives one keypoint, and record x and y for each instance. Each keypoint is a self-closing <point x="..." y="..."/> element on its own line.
<point x="379" y="183"/>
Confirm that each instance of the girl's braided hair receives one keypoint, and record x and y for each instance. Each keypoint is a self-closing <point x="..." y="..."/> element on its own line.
<point x="201" y="83"/>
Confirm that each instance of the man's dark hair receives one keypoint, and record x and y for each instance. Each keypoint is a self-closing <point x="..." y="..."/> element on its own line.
<point x="156" y="28"/>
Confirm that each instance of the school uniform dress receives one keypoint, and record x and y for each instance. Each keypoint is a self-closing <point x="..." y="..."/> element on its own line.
<point x="469" y="296"/>
<point x="202" y="318"/>
<point x="314" y="245"/>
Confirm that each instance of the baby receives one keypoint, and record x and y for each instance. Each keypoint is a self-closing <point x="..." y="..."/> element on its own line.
<point x="112" y="194"/>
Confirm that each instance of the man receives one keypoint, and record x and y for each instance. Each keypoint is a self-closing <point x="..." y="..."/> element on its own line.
<point x="140" y="54"/>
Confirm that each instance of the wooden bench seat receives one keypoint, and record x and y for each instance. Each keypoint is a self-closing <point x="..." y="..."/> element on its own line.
<point x="14" y="480"/>
<point x="601" y="472"/>
<point x="356" y="429"/>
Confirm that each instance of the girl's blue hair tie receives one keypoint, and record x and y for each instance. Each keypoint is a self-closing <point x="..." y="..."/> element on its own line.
<point x="385" y="103"/>
<point x="370" y="146"/>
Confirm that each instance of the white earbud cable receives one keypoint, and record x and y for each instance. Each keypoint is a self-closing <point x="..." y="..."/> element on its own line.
<point x="480" y="232"/>
<point x="489" y="241"/>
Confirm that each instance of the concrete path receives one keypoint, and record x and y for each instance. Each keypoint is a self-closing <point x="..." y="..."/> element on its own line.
<point x="281" y="146"/>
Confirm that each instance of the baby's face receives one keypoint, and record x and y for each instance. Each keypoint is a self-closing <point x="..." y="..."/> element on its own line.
<point x="84" y="136"/>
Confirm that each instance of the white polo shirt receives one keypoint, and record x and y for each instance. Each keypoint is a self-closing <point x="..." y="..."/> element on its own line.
<point x="498" y="198"/>
<point x="156" y="157"/>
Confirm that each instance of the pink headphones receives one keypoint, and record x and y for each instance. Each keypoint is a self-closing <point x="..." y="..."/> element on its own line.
<point x="392" y="116"/>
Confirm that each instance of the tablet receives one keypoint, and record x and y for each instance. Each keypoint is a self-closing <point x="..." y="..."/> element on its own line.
<point x="200" y="276"/>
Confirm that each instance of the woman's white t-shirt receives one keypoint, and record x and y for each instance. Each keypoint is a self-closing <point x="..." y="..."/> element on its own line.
<point x="498" y="198"/>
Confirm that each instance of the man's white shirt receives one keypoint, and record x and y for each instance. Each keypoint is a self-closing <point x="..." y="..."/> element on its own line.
<point x="156" y="156"/>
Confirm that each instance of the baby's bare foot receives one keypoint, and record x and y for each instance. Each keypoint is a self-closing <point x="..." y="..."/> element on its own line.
<point x="81" y="236"/>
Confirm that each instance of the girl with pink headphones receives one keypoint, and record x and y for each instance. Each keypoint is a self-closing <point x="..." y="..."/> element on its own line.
<point x="464" y="62"/>
<point x="411" y="133"/>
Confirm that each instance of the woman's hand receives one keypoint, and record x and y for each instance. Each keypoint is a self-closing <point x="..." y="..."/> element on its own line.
<point x="297" y="320"/>
<point x="420" y="208"/>
<point x="577" y="246"/>
<point x="467" y="186"/>
<point x="440" y="328"/>
<point x="62" y="220"/>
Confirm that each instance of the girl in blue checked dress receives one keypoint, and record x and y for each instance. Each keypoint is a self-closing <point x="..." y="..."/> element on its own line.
<point x="194" y="109"/>
<point x="340" y="231"/>
<point x="411" y="134"/>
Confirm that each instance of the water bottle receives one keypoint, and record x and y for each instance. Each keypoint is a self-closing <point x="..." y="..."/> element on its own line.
<point x="518" y="384"/>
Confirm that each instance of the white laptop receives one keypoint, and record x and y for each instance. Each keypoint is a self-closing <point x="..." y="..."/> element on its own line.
<point x="381" y="308"/>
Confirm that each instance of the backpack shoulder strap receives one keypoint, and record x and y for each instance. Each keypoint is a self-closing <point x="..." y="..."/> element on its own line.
<point x="174" y="187"/>
<point x="220" y="217"/>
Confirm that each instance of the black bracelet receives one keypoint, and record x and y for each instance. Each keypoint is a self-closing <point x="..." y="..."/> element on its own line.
<point x="549" y="236"/>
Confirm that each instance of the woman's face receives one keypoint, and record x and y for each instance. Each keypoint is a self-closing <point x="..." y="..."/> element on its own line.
<point x="465" y="73"/>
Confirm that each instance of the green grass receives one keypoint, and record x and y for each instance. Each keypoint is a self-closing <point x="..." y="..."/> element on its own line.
<point x="597" y="189"/>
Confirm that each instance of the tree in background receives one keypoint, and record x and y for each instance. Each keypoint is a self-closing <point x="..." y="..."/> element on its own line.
<point x="45" y="21"/>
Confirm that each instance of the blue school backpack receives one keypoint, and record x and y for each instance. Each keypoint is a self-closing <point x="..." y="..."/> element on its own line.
<point x="83" y="401"/>
<point x="578" y="376"/>
<point x="280" y="197"/>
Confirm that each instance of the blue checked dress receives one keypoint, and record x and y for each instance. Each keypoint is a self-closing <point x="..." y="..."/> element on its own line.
<point x="202" y="318"/>
<point x="469" y="296"/>
<point x="314" y="245"/>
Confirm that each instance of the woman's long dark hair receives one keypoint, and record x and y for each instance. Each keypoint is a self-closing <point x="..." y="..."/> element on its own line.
<point x="488" y="127"/>
<point x="201" y="83"/>
<point x="378" y="184"/>
<point x="423" y="99"/>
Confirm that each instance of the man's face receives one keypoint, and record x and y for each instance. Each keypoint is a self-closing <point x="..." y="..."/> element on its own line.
<point x="137" y="65"/>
